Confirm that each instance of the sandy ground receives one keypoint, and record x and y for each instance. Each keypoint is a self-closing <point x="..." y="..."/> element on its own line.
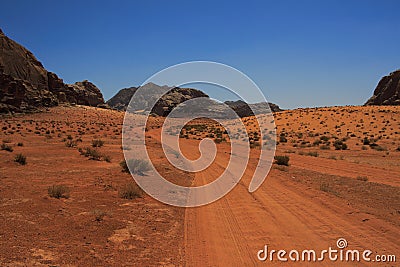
<point x="352" y="194"/>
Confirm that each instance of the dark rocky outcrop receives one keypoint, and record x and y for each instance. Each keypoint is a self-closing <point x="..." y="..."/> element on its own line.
<point x="387" y="92"/>
<point x="176" y="96"/>
<point x="86" y="93"/>
<point x="163" y="106"/>
<point x="25" y="85"/>
<point x="245" y="110"/>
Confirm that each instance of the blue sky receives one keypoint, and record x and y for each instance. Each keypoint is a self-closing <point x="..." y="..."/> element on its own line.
<point x="300" y="53"/>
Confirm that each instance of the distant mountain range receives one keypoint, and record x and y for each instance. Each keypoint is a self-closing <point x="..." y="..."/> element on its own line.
<point x="176" y="96"/>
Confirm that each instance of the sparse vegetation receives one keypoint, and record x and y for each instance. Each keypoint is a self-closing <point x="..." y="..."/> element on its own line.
<point x="21" y="159"/>
<point x="137" y="166"/>
<point x="312" y="154"/>
<point x="326" y="187"/>
<point x="97" y="143"/>
<point x="70" y="143"/>
<point x="90" y="153"/>
<point x="6" y="147"/>
<point x="130" y="191"/>
<point x="282" y="160"/>
<point x="99" y="215"/>
<point x="58" y="191"/>
<point x="107" y="158"/>
<point x="362" y="178"/>
<point x="340" y="145"/>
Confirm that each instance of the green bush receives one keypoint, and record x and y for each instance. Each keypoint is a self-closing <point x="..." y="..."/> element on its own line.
<point x="58" y="191"/>
<point x="282" y="160"/>
<point x="21" y="159"/>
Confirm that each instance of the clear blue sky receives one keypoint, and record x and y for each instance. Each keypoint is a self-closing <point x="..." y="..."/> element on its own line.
<point x="301" y="53"/>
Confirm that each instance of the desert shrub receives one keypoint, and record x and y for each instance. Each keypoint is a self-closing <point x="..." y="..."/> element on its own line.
<point x="282" y="168"/>
<point x="58" y="191"/>
<point x="324" y="147"/>
<point x="7" y="140"/>
<point x="362" y="178"/>
<point x="20" y="144"/>
<point x="339" y="145"/>
<point x="218" y="140"/>
<point x="366" y="141"/>
<point x="326" y="187"/>
<point x="364" y="148"/>
<point x="398" y="149"/>
<point x="107" y="158"/>
<point x="312" y="154"/>
<point x="254" y="144"/>
<point x="99" y="215"/>
<point x="316" y="142"/>
<point x="130" y="191"/>
<point x="91" y="153"/>
<point x="97" y="143"/>
<point x="282" y="160"/>
<point x="324" y="138"/>
<point x="379" y="148"/>
<point x="282" y="139"/>
<point x="70" y="143"/>
<point x="21" y="159"/>
<point x="137" y="166"/>
<point x="6" y="147"/>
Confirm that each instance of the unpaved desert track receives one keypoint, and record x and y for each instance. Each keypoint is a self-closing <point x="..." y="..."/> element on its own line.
<point x="282" y="215"/>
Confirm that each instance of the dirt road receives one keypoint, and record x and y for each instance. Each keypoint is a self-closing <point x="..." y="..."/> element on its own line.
<point x="283" y="215"/>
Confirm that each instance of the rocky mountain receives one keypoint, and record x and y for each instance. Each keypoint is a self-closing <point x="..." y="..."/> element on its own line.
<point x="387" y="92"/>
<point x="176" y="96"/>
<point x="163" y="106"/>
<point x="245" y="110"/>
<point x="25" y="85"/>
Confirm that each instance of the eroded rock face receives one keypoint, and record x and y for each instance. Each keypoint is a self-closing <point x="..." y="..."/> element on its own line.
<point x="86" y="93"/>
<point x="387" y="92"/>
<point x="25" y="85"/>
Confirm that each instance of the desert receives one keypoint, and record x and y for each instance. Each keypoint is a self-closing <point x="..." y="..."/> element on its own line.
<point x="199" y="133"/>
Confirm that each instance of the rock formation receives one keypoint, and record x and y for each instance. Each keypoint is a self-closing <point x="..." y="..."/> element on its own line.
<point x="25" y="85"/>
<point x="163" y="106"/>
<point x="387" y="92"/>
<point x="176" y="96"/>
